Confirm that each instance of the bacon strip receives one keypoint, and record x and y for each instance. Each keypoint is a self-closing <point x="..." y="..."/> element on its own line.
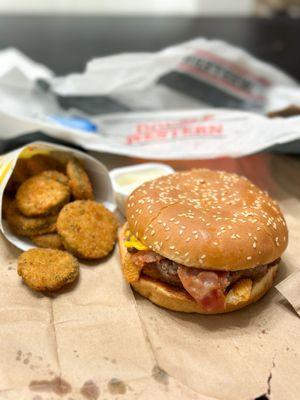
<point x="206" y="287"/>
<point x="145" y="257"/>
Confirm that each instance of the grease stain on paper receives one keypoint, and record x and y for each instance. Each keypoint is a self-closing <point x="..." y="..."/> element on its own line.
<point x="57" y="385"/>
<point x="76" y="353"/>
<point x="11" y="265"/>
<point x="34" y="362"/>
<point x="116" y="386"/>
<point x="19" y="355"/>
<point x="112" y="360"/>
<point x="24" y="357"/>
<point x="160" y="375"/>
<point x="90" y="390"/>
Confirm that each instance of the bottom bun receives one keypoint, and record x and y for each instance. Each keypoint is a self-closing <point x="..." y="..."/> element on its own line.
<point x="177" y="299"/>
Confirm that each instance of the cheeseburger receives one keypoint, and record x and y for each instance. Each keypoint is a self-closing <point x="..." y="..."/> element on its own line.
<point x="202" y="241"/>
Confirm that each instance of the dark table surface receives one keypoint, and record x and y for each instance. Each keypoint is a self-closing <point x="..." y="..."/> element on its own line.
<point x="66" y="43"/>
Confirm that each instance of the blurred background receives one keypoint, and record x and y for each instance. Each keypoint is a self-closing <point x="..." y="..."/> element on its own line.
<point x="65" y="34"/>
<point x="158" y="7"/>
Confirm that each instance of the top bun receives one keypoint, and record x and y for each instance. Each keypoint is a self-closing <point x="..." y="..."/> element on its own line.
<point x="208" y="219"/>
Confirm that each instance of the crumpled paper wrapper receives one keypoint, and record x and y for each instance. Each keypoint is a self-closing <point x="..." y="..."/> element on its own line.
<point x="97" y="341"/>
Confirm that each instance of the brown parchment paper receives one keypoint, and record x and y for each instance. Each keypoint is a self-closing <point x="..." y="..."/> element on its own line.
<point x="290" y="289"/>
<point x="97" y="341"/>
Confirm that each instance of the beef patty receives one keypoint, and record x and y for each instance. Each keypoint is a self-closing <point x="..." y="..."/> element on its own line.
<point x="165" y="270"/>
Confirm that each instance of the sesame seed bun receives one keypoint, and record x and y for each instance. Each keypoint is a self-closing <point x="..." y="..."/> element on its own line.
<point x="177" y="299"/>
<point x="207" y="219"/>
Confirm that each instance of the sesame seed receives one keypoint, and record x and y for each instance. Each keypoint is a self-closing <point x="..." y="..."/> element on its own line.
<point x="249" y="258"/>
<point x="187" y="239"/>
<point x="254" y="245"/>
<point x="152" y="232"/>
<point x="172" y="247"/>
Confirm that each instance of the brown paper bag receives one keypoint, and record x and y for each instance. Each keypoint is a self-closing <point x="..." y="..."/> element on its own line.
<point x="97" y="341"/>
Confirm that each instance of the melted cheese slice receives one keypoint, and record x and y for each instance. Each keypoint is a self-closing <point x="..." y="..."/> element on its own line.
<point x="131" y="271"/>
<point x="132" y="241"/>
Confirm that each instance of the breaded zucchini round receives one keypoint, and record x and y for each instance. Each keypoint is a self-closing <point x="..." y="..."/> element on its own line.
<point x="80" y="184"/>
<point x="28" y="226"/>
<point x="47" y="269"/>
<point x="41" y="195"/>
<point x="48" y="241"/>
<point x="42" y="162"/>
<point x="57" y="176"/>
<point x="87" y="229"/>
